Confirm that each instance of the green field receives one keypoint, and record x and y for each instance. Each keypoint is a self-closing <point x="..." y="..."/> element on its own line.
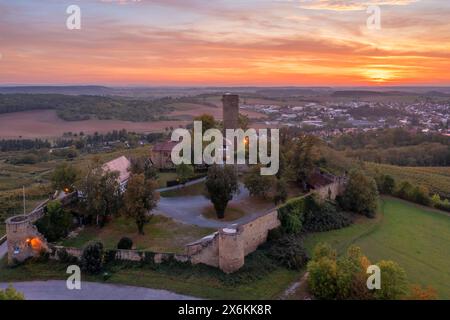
<point x="436" y="179"/>
<point x="417" y="238"/>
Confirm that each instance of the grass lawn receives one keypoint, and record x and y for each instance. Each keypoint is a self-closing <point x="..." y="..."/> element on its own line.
<point x="231" y="213"/>
<point x="416" y="237"/>
<point x="197" y="281"/>
<point x="163" y="177"/>
<point x="196" y="189"/>
<point x="162" y="234"/>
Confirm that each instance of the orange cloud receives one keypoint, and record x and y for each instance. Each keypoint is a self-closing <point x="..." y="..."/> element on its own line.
<point x="272" y="44"/>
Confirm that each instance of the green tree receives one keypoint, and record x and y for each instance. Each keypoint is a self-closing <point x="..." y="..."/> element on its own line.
<point x="405" y="190"/>
<point x="420" y="195"/>
<point x="139" y="199"/>
<point x="184" y="172"/>
<point x="435" y="200"/>
<point x="56" y="223"/>
<point x="64" y="177"/>
<point x="143" y="165"/>
<point x="281" y="193"/>
<point x="208" y="122"/>
<point x="137" y="165"/>
<point x="257" y="184"/>
<point x="393" y="281"/>
<point x="101" y="193"/>
<point x="386" y="184"/>
<point x="11" y="294"/>
<point x="361" y="194"/>
<point x="324" y="250"/>
<point x="352" y="277"/>
<point x="243" y="121"/>
<point x="302" y="157"/>
<point x="125" y="243"/>
<point x="92" y="258"/>
<point x="322" y="278"/>
<point x="221" y="184"/>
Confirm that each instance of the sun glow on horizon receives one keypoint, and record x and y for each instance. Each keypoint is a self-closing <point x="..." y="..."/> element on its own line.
<point x="225" y="43"/>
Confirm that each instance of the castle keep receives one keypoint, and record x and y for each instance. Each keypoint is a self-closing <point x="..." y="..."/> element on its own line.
<point x="230" y="111"/>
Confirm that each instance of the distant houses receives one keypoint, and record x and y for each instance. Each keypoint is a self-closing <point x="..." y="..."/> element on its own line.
<point x="160" y="156"/>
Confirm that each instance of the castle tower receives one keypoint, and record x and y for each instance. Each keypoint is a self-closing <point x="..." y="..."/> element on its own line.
<point x="24" y="240"/>
<point x="231" y="250"/>
<point x="230" y="111"/>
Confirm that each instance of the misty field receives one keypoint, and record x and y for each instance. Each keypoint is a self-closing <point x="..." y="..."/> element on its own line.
<point x="188" y="111"/>
<point x="46" y="124"/>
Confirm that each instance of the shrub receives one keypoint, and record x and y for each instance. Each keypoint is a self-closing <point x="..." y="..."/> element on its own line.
<point x="443" y="205"/>
<point x="308" y="214"/>
<point x="361" y="194"/>
<point x="345" y="278"/>
<point x="419" y="293"/>
<point x="324" y="216"/>
<point x="275" y="234"/>
<point x="125" y="243"/>
<point x="420" y="195"/>
<point x="393" y="281"/>
<point x="281" y="192"/>
<point x="92" y="258"/>
<point x="324" y="250"/>
<point x="11" y="294"/>
<point x="385" y="184"/>
<point x="289" y="252"/>
<point x="351" y="276"/>
<point x="257" y="265"/>
<point x="291" y="215"/>
<point x="404" y="190"/>
<point x="149" y="260"/>
<point x="109" y="256"/>
<point x="322" y="278"/>
<point x="65" y="257"/>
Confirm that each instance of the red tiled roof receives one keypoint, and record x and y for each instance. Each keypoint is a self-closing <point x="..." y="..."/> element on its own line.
<point x="120" y="164"/>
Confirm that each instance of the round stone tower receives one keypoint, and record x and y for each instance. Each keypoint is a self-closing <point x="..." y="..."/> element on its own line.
<point x="231" y="250"/>
<point x="23" y="239"/>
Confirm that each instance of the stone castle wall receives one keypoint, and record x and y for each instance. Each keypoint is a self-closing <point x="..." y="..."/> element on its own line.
<point x="228" y="247"/>
<point x="332" y="190"/>
<point x="225" y="249"/>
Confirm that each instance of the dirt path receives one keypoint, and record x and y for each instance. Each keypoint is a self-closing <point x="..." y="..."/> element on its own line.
<point x="298" y="290"/>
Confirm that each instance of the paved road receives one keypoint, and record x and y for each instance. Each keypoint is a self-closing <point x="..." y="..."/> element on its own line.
<point x="57" y="290"/>
<point x="188" y="210"/>
<point x="3" y="249"/>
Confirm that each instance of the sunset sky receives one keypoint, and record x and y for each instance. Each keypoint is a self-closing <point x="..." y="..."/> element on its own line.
<point x="225" y="42"/>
